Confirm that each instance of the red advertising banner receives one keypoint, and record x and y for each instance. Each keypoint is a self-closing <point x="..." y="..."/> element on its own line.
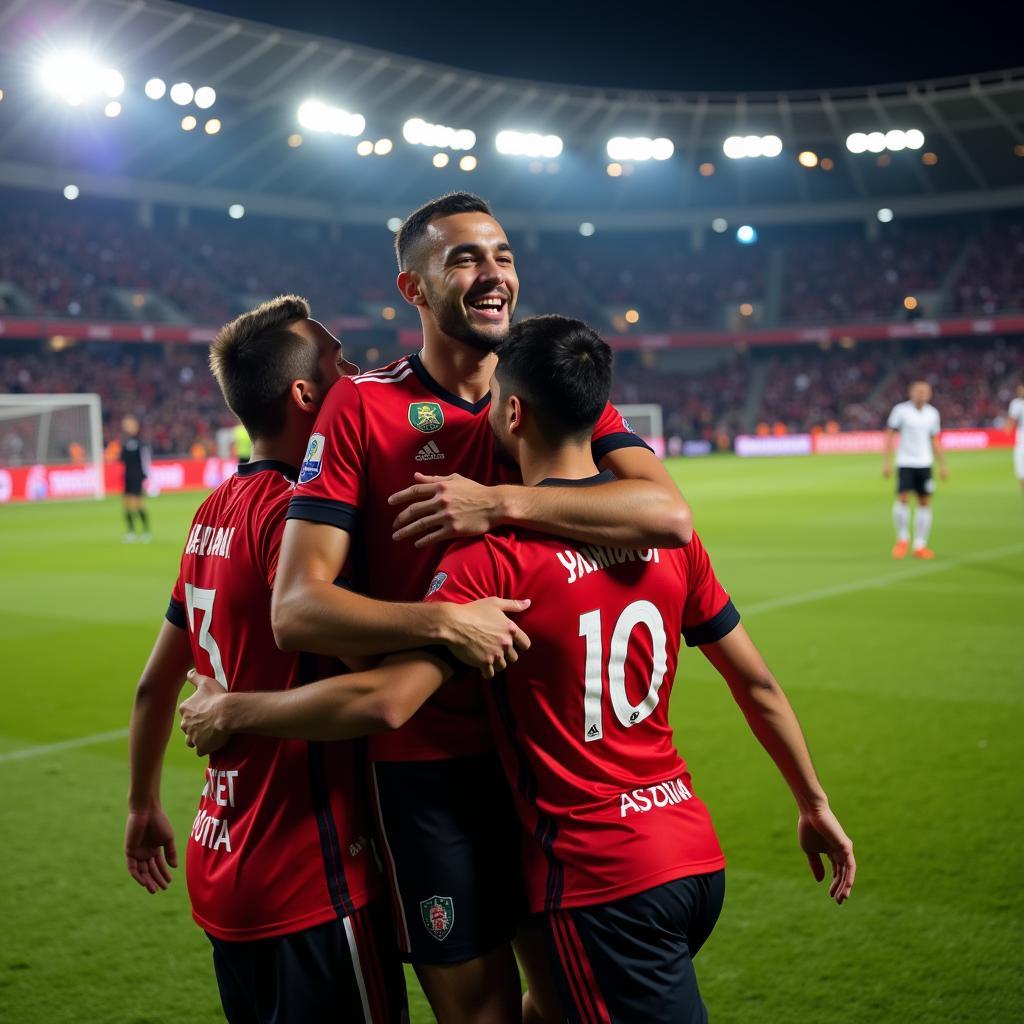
<point x="960" y="439"/>
<point x="48" y="483"/>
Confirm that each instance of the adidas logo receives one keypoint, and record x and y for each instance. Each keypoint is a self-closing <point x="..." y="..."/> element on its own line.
<point x="593" y="731"/>
<point x="429" y="453"/>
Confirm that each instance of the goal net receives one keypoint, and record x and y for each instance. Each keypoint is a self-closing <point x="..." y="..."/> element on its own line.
<point x="54" y="430"/>
<point x="646" y="422"/>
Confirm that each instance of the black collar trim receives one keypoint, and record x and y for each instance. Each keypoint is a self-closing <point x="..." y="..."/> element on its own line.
<point x="443" y="393"/>
<point x="267" y="466"/>
<point x="588" y="481"/>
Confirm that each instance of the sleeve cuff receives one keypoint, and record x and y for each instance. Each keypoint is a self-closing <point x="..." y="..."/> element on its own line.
<point x="714" y="629"/>
<point x="175" y="614"/>
<point x="324" y="510"/>
<point x="613" y="442"/>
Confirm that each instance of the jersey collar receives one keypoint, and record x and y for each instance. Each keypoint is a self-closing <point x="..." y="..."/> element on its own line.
<point x="588" y="481"/>
<point x="443" y="393"/>
<point x="266" y="466"/>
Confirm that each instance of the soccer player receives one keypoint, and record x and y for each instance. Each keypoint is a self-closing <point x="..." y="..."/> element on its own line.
<point x="135" y="459"/>
<point x="623" y="866"/>
<point x="280" y="869"/>
<point x="443" y="811"/>
<point x="916" y="422"/>
<point x="1016" y="416"/>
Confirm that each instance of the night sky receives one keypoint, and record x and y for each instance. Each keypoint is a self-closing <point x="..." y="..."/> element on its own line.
<point x="711" y="45"/>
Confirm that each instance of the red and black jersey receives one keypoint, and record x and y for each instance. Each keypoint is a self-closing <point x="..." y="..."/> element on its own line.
<point x="373" y="433"/>
<point x="281" y="840"/>
<point x="581" y="719"/>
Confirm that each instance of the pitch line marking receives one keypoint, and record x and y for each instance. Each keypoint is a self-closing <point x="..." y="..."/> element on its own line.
<point x="878" y="582"/>
<point x="753" y="609"/>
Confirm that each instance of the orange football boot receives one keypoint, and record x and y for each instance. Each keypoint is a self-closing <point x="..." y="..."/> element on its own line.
<point x="925" y="553"/>
<point x="900" y="549"/>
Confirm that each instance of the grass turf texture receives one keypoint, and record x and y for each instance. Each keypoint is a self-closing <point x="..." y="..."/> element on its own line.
<point x="907" y="677"/>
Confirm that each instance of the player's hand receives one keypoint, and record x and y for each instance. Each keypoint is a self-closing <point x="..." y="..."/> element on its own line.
<point x="943" y="472"/>
<point x="149" y="851"/>
<point x="886" y="470"/>
<point x="484" y="637"/>
<point x="819" y="832"/>
<point x="442" y="508"/>
<point x="199" y="719"/>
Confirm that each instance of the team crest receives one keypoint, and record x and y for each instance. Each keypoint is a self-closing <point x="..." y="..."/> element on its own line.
<point x="426" y="416"/>
<point x="436" y="583"/>
<point x="312" y="462"/>
<point x="438" y="915"/>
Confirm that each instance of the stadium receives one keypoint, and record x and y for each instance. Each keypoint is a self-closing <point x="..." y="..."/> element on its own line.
<point x="773" y="269"/>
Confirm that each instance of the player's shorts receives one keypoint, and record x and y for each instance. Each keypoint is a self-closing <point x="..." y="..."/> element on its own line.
<point x="1018" y="460"/>
<point x="450" y="840"/>
<point x="134" y="483"/>
<point x="344" y="970"/>
<point x="913" y="479"/>
<point x="632" y="960"/>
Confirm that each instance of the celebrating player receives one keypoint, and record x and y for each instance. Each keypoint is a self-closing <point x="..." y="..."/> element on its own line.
<point x="135" y="459"/>
<point x="443" y="810"/>
<point x="1015" y="415"/>
<point x="917" y="424"/>
<point x="280" y="871"/>
<point x="621" y="860"/>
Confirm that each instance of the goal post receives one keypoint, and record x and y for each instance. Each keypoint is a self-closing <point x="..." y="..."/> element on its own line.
<point x="53" y="430"/>
<point x="646" y="422"/>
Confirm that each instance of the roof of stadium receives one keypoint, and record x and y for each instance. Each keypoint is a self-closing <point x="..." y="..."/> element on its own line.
<point x="972" y="155"/>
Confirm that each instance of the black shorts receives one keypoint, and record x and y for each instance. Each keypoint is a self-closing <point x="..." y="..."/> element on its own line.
<point x="134" y="484"/>
<point x="918" y="480"/>
<point x="450" y="839"/>
<point x="632" y="960"/>
<point x="344" y="970"/>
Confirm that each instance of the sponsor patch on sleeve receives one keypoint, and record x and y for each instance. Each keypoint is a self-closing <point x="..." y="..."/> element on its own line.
<point x="313" y="459"/>
<point x="436" y="583"/>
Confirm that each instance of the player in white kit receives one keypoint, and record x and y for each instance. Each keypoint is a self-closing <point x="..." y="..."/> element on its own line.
<point x="917" y="424"/>
<point x="1016" y="415"/>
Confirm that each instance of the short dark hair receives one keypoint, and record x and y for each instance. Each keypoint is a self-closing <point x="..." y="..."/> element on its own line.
<point x="414" y="227"/>
<point x="256" y="357"/>
<point x="562" y="369"/>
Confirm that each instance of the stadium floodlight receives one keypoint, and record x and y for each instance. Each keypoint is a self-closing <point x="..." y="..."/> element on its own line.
<point x="807" y="158"/>
<point x="205" y="97"/>
<point x="76" y="77"/>
<point x="587" y="229"/>
<point x="71" y="192"/>
<point x="885" y="215"/>
<point x="156" y="88"/>
<point x="532" y="144"/>
<point x="857" y="142"/>
<point x="914" y="138"/>
<point x="383" y="146"/>
<point x="876" y="142"/>
<point x="182" y="94"/>
<point x="212" y="126"/>
<point x="394" y="223"/>
<point x="364" y="147"/>
<point x="236" y="211"/>
<point x="112" y="109"/>
<point x="621" y="148"/>
<point x="440" y="160"/>
<point x="188" y="122"/>
<point x="719" y="225"/>
<point x="418" y="132"/>
<point x="746" y="235"/>
<point x="468" y="163"/>
<point x="739" y="147"/>
<point x="894" y="140"/>
<point x="318" y="116"/>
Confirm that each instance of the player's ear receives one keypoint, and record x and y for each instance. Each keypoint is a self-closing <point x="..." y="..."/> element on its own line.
<point x="305" y="394"/>
<point x="515" y="414"/>
<point x="409" y="284"/>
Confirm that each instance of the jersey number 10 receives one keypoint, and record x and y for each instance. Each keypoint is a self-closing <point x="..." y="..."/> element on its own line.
<point x="635" y="614"/>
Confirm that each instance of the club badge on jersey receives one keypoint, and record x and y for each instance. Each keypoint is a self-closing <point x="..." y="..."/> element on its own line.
<point x="426" y="416"/>
<point x="438" y="915"/>
<point x="313" y="459"/>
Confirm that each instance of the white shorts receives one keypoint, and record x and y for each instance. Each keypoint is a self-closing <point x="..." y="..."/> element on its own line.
<point x="1018" y="461"/>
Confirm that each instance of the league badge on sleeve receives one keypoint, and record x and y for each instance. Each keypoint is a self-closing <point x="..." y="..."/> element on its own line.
<point x="438" y="915"/>
<point x="312" y="462"/>
<point x="436" y="583"/>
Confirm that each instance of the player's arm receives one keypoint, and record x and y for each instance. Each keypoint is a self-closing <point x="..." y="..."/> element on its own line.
<point x="773" y="721"/>
<point x="891" y="433"/>
<point x="338" y="708"/>
<point x="149" y="839"/>
<point x="940" y="455"/>
<point x="310" y="613"/>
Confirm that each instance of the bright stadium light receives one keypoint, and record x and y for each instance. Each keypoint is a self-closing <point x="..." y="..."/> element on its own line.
<point x="212" y="126"/>
<point x="894" y="140"/>
<point x="156" y="88"/>
<point x="885" y="215"/>
<point x="394" y="223"/>
<point x="76" y="77"/>
<point x="857" y="142"/>
<point x="236" y="211"/>
<point x="746" y="235"/>
<point x="188" y="122"/>
<point x="587" y="229"/>
<point x="719" y="225"/>
<point x="322" y="117"/>
<point x="440" y="160"/>
<point x="621" y="148"/>
<point x="533" y="144"/>
<point x="914" y="138"/>
<point x="808" y="158"/>
<point x="182" y="93"/>
<point x="71" y="192"/>
<point x="876" y="142"/>
<point x="364" y="147"/>
<point x="467" y="163"/>
<point x="383" y="146"/>
<point x="205" y="97"/>
<point x="739" y="147"/>
<point x="112" y="109"/>
<point x="418" y="132"/>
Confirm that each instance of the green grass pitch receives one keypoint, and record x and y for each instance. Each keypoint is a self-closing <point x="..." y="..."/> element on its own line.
<point x="908" y="678"/>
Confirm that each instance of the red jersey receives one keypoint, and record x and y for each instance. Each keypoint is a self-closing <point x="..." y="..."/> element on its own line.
<point x="281" y="841"/>
<point x="581" y="719"/>
<point x="373" y="432"/>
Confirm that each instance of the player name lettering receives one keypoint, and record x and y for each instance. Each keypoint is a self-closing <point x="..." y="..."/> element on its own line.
<point x="220" y="786"/>
<point x="211" y="832"/>
<point x="210" y="540"/>
<point x="661" y="794"/>
<point x="579" y="562"/>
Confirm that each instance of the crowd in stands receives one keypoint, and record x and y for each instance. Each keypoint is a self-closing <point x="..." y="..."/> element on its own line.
<point x="992" y="275"/>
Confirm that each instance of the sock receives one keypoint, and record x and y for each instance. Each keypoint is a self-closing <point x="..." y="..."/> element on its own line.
<point x="922" y="526"/>
<point x="901" y="520"/>
<point x="144" y="516"/>
<point x="130" y="519"/>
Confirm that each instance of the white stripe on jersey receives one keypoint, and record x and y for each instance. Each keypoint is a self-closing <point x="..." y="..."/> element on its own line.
<point x="383" y="380"/>
<point x="381" y="374"/>
<point x="357" y="968"/>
